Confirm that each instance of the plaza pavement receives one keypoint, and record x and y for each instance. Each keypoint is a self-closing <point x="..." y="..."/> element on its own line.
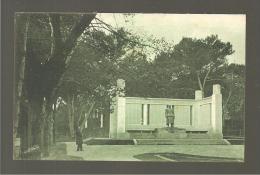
<point x="188" y="153"/>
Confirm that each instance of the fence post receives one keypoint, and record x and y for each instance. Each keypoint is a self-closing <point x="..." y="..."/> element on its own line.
<point x="196" y="117"/>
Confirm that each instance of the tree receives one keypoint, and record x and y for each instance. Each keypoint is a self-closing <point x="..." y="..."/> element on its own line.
<point x="201" y="57"/>
<point x="234" y="96"/>
<point x="93" y="71"/>
<point x="51" y="40"/>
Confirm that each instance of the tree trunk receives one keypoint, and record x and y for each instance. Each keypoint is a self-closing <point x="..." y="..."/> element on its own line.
<point x="86" y="116"/>
<point x="21" y="31"/>
<point x="200" y="84"/>
<point x="205" y="78"/>
<point x="23" y="122"/>
<point x="46" y="128"/>
<point x="54" y="125"/>
<point x="71" y="116"/>
<point x="36" y="123"/>
<point x="203" y="83"/>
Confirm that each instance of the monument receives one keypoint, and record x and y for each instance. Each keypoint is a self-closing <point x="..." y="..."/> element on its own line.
<point x="147" y="118"/>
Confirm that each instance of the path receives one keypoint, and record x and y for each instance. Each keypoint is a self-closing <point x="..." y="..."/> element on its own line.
<point x="157" y="152"/>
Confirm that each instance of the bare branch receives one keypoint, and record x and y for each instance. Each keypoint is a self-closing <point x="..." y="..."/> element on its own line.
<point x="205" y="78"/>
<point x="56" y="33"/>
<point x="52" y="42"/>
<point x="110" y="29"/>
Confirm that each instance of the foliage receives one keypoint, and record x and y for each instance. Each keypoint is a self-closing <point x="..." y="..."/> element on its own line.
<point x="201" y="57"/>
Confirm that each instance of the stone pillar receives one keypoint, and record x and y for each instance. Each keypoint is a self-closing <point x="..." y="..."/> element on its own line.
<point x="119" y="113"/>
<point x="198" y="95"/>
<point x="113" y="118"/>
<point x="196" y="116"/>
<point x="216" y="111"/>
<point x="121" y="116"/>
<point x="120" y="87"/>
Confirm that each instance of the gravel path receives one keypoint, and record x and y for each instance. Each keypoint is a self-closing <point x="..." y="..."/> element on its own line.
<point x="157" y="152"/>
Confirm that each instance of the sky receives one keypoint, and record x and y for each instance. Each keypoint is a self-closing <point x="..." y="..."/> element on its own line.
<point x="173" y="27"/>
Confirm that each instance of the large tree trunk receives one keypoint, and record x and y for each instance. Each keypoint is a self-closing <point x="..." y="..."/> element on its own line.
<point x="23" y="125"/>
<point x="36" y="122"/>
<point x="42" y="125"/>
<point x="22" y="26"/>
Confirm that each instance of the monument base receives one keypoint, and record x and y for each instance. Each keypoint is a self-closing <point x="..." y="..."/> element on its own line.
<point x="170" y="133"/>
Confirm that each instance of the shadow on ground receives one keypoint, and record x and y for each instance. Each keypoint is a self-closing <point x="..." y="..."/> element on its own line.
<point x="59" y="152"/>
<point x="179" y="157"/>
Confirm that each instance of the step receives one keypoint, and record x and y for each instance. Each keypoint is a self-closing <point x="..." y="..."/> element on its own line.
<point x="168" y="134"/>
<point x="142" y="135"/>
<point x="108" y="141"/>
<point x="170" y="130"/>
<point x="182" y="142"/>
<point x="236" y="141"/>
<point x="198" y="136"/>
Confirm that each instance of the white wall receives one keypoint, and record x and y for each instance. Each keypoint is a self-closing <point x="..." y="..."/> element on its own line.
<point x="191" y="114"/>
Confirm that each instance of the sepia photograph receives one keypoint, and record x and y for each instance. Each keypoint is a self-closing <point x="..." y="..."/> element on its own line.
<point x="153" y="87"/>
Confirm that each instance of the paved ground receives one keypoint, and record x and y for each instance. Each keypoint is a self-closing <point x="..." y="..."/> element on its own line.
<point x="182" y="153"/>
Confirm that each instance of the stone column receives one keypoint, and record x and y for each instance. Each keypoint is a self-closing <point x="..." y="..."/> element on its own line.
<point x="121" y="108"/>
<point x="117" y="116"/>
<point x="113" y="118"/>
<point x="198" y="95"/>
<point x="120" y="83"/>
<point x="196" y="116"/>
<point x="121" y="116"/>
<point x="216" y="111"/>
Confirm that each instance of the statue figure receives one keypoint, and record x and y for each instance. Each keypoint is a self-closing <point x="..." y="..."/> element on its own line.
<point x="170" y="116"/>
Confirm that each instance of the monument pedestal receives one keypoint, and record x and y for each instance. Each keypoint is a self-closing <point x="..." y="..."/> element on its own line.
<point x="170" y="133"/>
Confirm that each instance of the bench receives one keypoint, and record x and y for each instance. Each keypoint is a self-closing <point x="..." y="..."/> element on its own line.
<point x="198" y="131"/>
<point x="141" y="130"/>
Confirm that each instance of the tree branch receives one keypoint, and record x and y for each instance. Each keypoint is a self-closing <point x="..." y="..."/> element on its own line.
<point x="56" y="33"/>
<point x="76" y="31"/>
<point x="205" y="78"/>
<point x="110" y="29"/>
<point x="61" y="57"/>
<point x="199" y="81"/>
<point x="52" y="42"/>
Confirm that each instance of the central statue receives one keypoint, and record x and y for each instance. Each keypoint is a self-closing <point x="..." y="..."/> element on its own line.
<point x="170" y="116"/>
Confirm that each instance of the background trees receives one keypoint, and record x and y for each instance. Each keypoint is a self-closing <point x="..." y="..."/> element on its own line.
<point x="201" y="57"/>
